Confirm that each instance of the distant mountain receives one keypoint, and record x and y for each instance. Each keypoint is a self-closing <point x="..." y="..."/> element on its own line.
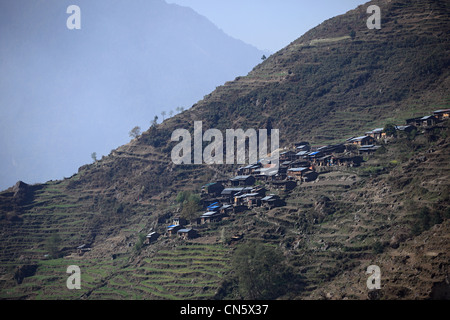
<point x="65" y="94"/>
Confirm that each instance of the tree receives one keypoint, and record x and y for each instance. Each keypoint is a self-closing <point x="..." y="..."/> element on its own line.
<point x="191" y="207"/>
<point x="155" y="121"/>
<point x="139" y="243"/>
<point x="94" y="156"/>
<point x="261" y="272"/>
<point x="263" y="57"/>
<point x="52" y="246"/>
<point x="163" y="113"/>
<point x="424" y="219"/>
<point x="390" y="130"/>
<point x="182" y="196"/>
<point x="190" y="204"/>
<point x="170" y="113"/>
<point x="135" y="132"/>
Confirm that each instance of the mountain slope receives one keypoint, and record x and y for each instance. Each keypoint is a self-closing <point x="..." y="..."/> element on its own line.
<point x="324" y="87"/>
<point x="326" y="75"/>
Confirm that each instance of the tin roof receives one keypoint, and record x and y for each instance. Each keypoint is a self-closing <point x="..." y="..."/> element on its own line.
<point x="184" y="230"/>
<point x="298" y="169"/>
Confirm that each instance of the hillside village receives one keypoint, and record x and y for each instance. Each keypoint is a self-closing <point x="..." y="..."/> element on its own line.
<point x="300" y="163"/>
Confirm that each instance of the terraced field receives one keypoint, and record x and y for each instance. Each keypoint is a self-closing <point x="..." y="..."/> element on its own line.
<point x="187" y="272"/>
<point x="49" y="281"/>
<point x="192" y="271"/>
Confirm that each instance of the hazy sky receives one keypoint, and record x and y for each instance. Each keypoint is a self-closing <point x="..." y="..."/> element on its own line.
<point x="269" y="24"/>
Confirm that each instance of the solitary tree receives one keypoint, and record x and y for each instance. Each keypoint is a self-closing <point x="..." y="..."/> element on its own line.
<point x="163" y="113"/>
<point x="52" y="245"/>
<point x="94" y="156"/>
<point x="263" y="57"/>
<point x="135" y="132"/>
<point x="261" y="271"/>
<point x="191" y="207"/>
<point x="155" y="121"/>
<point x="139" y="243"/>
<point x="190" y="204"/>
<point x="170" y="113"/>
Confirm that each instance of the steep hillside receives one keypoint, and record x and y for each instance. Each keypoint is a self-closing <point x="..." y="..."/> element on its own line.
<point x="327" y="86"/>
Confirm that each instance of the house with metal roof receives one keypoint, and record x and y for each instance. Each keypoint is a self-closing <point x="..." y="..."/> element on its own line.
<point x="287" y="155"/>
<point x="297" y="173"/>
<point x="377" y="133"/>
<point x="211" y="216"/>
<point x="314" y="154"/>
<point x="271" y="201"/>
<point x="230" y="192"/>
<point x="152" y="237"/>
<point x="335" y="148"/>
<point x="172" y="229"/>
<point x="428" y="121"/>
<point x="361" y="141"/>
<point x="284" y="185"/>
<point x="226" y="209"/>
<point x="83" y="248"/>
<point x="369" y="149"/>
<point x="248" y="200"/>
<point x="242" y="180"/>
<point x="407" y="128"/>
<point x="187" y="233"/>
<point x="212" y="189"/>
<point x="425" y="121"/>
<point x="443" y="114"/>
<point x="248" y="170"/>
<point x="301" y="154"/>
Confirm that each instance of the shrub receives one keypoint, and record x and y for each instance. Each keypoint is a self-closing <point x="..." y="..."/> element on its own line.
<point x="371" y="170"/>
<point x="377" y="247"/>
<point x="424" y="220"/>
<point x="139" y="243"/>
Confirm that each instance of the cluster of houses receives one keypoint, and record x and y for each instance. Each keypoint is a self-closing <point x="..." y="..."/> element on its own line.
<point x="429" y="120"/>
<point x="247" y="189"/>
<point x="176" y="228"/>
